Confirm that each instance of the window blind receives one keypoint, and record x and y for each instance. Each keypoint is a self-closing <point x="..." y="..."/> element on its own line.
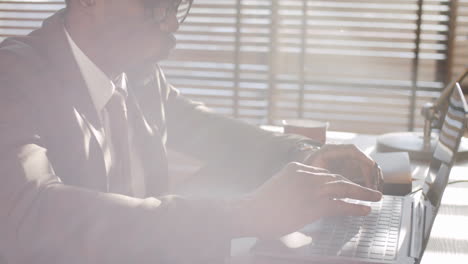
<point x="19" y="17"/>
<point x="461" y="38"/>
<point x="364" y="66"/>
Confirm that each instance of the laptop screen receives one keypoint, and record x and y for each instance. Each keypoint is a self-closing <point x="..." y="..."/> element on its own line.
<point x="446" y="147"/>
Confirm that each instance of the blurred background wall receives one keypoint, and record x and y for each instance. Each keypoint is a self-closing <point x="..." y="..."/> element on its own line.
<point x="363" y="65"/>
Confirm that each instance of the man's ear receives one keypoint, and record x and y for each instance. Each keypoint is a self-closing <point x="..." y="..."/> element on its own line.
<point x="87" y="3"/>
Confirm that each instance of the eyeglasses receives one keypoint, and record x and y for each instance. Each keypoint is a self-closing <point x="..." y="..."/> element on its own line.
<point x="159" y="10"/>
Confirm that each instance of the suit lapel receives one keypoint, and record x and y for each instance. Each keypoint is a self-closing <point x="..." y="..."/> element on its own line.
<point x="79" y="123"/>
<point x="57" y="49"/>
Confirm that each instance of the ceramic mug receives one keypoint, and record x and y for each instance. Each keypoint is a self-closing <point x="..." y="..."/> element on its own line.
<point x="313" y="129"/>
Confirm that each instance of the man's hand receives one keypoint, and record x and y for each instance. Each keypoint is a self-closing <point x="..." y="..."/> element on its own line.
<point x="296" y="196"/>
<point x="349" y="161"/>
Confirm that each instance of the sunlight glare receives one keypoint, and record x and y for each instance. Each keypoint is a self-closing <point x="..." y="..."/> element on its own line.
<point x="296" y="240"/>
<point x="450" y="227"/>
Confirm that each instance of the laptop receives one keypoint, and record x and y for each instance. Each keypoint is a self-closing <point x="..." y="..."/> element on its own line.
<point x="398" y="228"/>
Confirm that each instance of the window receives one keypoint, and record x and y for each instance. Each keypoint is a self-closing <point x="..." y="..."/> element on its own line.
<point x="365" y="66"/>
<point x="19" y="17"/>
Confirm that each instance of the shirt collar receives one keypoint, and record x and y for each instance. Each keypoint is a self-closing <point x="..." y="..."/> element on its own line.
<point x="99" y="84"/>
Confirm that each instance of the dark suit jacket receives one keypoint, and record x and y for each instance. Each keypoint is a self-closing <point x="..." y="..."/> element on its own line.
<point x="54" y="201"/>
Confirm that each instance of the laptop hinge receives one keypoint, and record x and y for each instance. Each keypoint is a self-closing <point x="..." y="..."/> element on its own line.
<point x="417" y="229"/>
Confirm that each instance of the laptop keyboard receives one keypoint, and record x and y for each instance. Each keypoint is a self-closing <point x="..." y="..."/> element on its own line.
<point x="374" y="236"/>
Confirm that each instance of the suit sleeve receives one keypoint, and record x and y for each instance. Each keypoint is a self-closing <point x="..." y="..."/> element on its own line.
<point x="43" y="220"/>
<point x="228" y="145"/>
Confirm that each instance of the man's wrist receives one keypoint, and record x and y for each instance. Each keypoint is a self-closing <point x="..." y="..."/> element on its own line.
<point x="303" y="151"/>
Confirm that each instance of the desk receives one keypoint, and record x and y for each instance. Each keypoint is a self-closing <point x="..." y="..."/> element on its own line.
<point x="449" y="237"/>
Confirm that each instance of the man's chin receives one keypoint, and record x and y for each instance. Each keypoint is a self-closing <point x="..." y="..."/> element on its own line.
<point x="171" y="40"/>
<point x="161" y="52"/>
<point x="167" y="46"/>
<point x="159" y="57"/>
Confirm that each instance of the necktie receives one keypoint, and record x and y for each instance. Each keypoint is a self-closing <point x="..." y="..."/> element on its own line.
<point x="149" y="140"/>
<point x="120" y="169"/>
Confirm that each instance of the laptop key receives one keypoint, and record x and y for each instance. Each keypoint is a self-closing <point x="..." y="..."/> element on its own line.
<point x="374" y="236"/>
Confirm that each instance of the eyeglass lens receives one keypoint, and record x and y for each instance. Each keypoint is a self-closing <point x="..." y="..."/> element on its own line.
<point x="161" y="9"/>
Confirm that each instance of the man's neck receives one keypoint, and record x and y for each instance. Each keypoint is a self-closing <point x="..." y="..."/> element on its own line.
<point x="97" y="49"/>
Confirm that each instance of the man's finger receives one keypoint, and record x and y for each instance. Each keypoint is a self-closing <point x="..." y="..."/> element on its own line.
<point x="332" y="177"/>
<point x="342" y="208"/>
<point x="311" y="169"/>
<point x="315" y="179"/>
<point x="378" y="178"/>
<point x="366" y="164"/>
<point x="296" y="166"/>
<point x="345" y="189"/>
<point x="349" y="158"/>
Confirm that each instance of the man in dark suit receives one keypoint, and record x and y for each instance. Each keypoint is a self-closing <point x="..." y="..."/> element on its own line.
<point x="85" y="120"/>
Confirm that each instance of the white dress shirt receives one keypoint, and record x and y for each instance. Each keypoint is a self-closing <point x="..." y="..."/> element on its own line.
<point x="101" y="88"/>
